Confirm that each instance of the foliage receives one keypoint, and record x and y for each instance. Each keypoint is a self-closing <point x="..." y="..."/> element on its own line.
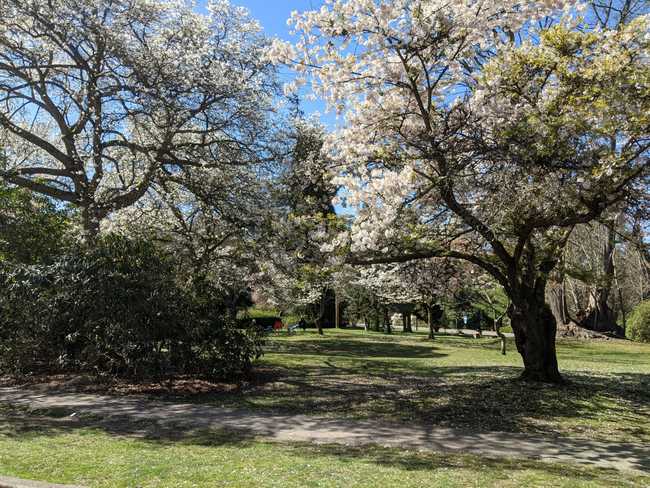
<point x="296" y="275"/>
<point x="100" y="99"/>
<point x="638" y="327"/>
<point x="31" y="228"/>
<point x="482" y="132"/>
<point x="117" y="308"/>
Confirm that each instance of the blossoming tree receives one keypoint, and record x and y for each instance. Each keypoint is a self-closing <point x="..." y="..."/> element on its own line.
<point x="297" y="267"/>
<point x="481" y="131"/>
<point x="101" y="98"/>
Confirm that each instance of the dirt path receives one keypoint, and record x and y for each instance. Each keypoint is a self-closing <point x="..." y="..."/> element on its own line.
<point x="302" y="428"/>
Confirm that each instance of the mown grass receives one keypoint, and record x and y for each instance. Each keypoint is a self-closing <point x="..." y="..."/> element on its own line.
<point x="98" y="458"/>
<point x="255" y="313"/>
<point x="453" y="382"/>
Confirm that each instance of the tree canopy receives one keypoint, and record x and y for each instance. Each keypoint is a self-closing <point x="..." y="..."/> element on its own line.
<point x="481" y="131"/>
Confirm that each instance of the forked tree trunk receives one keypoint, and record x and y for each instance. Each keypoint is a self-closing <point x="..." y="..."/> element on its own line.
<point x="535" y="328"/>
<point x="599" y="316"/>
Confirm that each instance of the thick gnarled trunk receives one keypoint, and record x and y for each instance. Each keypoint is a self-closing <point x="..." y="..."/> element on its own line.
<point x="535" y="329"/>
<point x="599" y="316"/>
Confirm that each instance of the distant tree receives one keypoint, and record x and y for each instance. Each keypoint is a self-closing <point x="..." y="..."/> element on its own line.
<point x="303" y="224"/>
<point x="211" y="219"/>
<point x="601" y="277"/>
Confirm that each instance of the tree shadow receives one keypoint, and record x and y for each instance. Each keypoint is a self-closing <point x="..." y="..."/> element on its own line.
<point x="26" y="424"/>
<point x="355" y="348"/>
<point x="408" y="456"/>
<point x="430" y="461"/>
<point x="389" y="381"/>
<point x="471" y="398"/>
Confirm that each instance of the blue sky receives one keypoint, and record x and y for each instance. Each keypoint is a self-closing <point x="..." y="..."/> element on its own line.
<point x="273" y="15"/>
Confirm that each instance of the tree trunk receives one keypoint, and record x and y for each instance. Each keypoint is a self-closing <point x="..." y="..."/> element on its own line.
<point x="498" y="323"/>
<point x="432" y="335"/>
<point x="599" y="316"/>
<point x="90" y="222"/>
<point x="387" y="327"/>
<point x="557" y="300"/>
<point x="406" y="323"/>
<point x="321" y="314"/>
<point x="377" y="324"/>
<point x="535" y="328"/>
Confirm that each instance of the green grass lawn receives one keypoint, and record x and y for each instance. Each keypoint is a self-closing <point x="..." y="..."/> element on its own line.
<point x="97" y="458"/>
<point x="452" y="382"/>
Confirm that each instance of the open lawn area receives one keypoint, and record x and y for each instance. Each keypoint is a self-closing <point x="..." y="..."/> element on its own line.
<point x="454" y="382"/>
<point x="451" y="382"/>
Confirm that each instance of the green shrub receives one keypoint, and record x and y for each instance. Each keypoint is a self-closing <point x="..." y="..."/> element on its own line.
<point x="638" y="326"/>
<point x="31" y="227"/>
<point x="117" y="308"/>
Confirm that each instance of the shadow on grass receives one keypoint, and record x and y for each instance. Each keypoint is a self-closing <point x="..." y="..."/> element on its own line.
<point x="427" y="461"/>
<point x="473" y="398"/>
<point x="359" y="377"/>
<point x="160" y="435"/>
<point x="356" y="348"/>
<point x="37" y="424"/>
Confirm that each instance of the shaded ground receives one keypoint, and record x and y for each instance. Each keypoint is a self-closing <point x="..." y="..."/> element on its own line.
<point x="453" y="382"/>
<point x="455" y="394"/>
<point x="151" y="419"/>
<point x="95" y="457"/>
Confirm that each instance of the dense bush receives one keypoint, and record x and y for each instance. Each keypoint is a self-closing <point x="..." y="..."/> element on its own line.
<point x="118" y="308"/>
<point x="638" y="327"/>
<point x="32" y="228"/>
